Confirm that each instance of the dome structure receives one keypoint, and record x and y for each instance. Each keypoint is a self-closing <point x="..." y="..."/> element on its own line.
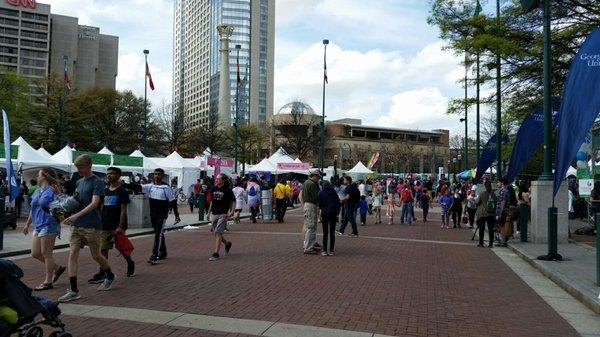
<point x="296" y="108"/>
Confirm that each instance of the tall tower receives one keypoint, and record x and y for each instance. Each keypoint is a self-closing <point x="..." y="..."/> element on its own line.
<point x="197" y="60"/>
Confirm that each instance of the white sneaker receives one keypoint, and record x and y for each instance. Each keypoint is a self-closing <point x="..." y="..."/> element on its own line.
<point x="69" y="296"/>
<point x="107" y="284"/>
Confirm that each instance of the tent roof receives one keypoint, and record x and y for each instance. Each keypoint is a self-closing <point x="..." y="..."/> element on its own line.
<point x="137" y="153"/>
<point x="65" y="155"/>
<point x="297" y="160"/>
<point x="265" y="165"/>
<point x="360" y="168"/>
<point x="44" y="153"/>
<point x="19" y="141"/>
<point x="29" y="157"/>
<point x="105" y="150"/>
<point x="281" y="156"/>
<point x="207" y="152"/>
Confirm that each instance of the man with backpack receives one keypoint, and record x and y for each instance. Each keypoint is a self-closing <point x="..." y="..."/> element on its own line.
<point x="253" y="192"/>
<point x="486" y="212"/>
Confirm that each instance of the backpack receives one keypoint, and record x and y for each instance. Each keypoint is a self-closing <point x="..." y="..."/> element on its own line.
<point x="491" y="204"/>
<point x="252" y="191"/>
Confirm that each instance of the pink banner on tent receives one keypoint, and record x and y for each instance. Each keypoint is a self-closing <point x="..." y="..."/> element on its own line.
<point x="293" y="166"/>
<point x="223" y="162"/>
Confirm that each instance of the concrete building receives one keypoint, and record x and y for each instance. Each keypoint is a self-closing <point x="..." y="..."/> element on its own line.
<point x="34" y="43"/>
<point x="296" y="127"/>
<point x="196" y="60"/>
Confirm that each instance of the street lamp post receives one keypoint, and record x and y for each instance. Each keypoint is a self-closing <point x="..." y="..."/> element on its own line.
<point x="237" y="99"/>
<point x="322" y="148"/>
<point x="454" y="169"/>
<point x="498" y="103"/>
<point x="466" y="119"/>
<point x="466" y="142"/>
<point x="145" y="139"/>
<point x="61" y="117"/>
<point x="459" y="162"/>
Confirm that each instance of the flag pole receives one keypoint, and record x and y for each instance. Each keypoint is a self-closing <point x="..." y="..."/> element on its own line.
<point x="145" y="138"/>
<point x="61" y="106"/>
<point x="237" y="104"/>
<point x="322" y="148"/>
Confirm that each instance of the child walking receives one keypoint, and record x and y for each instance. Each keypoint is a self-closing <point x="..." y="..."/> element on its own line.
<point x="425" y="201"/>
<point x="446" y="200"/>
<point x="362" y="207"/>
<point x="377" y="205"/>
<point x="390" y="208"/>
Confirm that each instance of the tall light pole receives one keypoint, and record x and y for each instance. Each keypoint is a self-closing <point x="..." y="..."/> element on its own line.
<point x="61" y="117"/>
<point x="237" y="103"/>
<point x="466" y="119"/>
<point x="145" y="139"/>
<point x="466" y="143"/>
<point x="498" y="102"/>
<point x="322" y="149"/>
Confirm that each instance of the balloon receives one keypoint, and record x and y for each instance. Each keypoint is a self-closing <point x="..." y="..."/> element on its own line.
<point x="586" y="147"/>
<point x="581" y="164"/>
<point x="581" y="155"/>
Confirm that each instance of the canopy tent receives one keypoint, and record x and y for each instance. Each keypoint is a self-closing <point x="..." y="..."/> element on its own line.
<point x="175" y="166"/>
<point x="265" y="165"/>
<point x="44" y="153"/>
<point x="105" y="150"/>
<point x="359" y="168"/>
<point x="137" y="153"/>
<point x="297" y="160"/>
<point x="281" y="156"/>
<point x="28" y="158"/>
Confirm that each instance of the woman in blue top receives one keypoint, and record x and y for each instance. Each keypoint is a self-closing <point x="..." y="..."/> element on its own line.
<point x="45" y="226"/>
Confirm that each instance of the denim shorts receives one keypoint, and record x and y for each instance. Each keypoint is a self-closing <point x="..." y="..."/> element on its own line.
<point x="47" y="230"/>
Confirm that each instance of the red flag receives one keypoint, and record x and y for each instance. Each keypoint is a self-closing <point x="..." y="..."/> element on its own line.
<point x="149" y="77"/>
<point x="67" y="80"/>
<point x="239" y="79"/>
<point x="325" y="72"/>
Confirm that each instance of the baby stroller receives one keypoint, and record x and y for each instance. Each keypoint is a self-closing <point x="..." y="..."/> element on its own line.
<point x="17" y="296"/>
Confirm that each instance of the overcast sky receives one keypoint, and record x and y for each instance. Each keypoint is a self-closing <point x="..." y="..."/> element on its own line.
<point x="385" y="63"/>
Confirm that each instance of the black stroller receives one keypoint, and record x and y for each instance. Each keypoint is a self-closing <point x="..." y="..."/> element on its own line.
<point x="17" y="295"/>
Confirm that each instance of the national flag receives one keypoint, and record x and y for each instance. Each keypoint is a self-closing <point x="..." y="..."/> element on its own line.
<point x="67" y="80"/>
<point x="478" y="8"/>
<point x="10" y="172"/>
<point x="239" y="79"/>
<point x="150" y="82"/>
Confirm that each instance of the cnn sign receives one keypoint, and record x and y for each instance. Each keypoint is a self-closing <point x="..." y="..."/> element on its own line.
<point x="23" y="3"/>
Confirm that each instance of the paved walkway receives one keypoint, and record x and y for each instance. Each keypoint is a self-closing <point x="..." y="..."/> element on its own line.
<point x="397" y="280"/>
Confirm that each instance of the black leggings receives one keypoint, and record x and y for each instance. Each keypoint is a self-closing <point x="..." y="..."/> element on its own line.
<point x="328" y="233"/>
<point x="481" y="226"/>
<point x="471" y="213"/>
<point x="456" y="216"/>
<point x="160" y="246"/>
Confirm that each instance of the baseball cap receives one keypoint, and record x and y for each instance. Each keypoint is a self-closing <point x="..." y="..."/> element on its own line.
<point x="314" y="171"/>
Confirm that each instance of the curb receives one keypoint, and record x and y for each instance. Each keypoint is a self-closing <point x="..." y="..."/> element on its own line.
<point x="571" y="286"/>
<point x="146" y="232"/>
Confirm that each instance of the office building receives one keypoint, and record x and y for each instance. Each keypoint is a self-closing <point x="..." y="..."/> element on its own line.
<point x="34" y="43"/>
<point x="196" y="60"/>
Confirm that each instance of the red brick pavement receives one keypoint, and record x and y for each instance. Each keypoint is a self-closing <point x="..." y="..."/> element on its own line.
<point x="383" y="286"/>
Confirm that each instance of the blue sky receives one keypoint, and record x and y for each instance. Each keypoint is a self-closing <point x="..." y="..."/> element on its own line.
<point x="385" y="63"/>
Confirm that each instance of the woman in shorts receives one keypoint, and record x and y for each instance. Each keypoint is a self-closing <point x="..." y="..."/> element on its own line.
<point x="377" y="205"/>
<point x="45" y="227"/>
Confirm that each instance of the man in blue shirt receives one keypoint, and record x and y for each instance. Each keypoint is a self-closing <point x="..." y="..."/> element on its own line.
<point x="86" y="228"/>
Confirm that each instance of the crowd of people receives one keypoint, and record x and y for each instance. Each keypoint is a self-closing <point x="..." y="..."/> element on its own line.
<point x="99" y="218"/>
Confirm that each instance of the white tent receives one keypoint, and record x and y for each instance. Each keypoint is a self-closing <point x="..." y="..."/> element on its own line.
<point x="175" y="166"/>
<point x="265" y="165"/>
<point x="44" y="153"/>
<point x="105" y="150"/>
<point x="297" y="160"/>
<point x="359" y="168"/>
<point x="137" y="153"/>
<point x="280" y="156"/>
<point x="28" y="158"/>
<point x="572" y="171"/>
<point x="64" y="156"/>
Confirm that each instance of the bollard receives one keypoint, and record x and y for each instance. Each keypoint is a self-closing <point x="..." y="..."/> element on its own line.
<point x="552" y="232"/>
<point x="200" y="205"/>
<point x="266" y="207"/>
<point x="597" y="221"/>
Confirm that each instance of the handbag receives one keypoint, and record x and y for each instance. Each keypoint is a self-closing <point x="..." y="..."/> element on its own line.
<point x="464" y="219"/>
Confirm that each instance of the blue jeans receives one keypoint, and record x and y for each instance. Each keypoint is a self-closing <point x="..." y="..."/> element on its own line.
<point x="406" y="212"/>
<point x="350" y="212"/>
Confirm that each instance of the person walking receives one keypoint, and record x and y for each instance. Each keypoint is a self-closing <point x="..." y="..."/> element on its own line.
<point x="329" y="204"/>
<point x="221" y="209"/>
<point x="160" y="197"/>
<point x="377" y="205"/>
<point x="86" y="224"/>
<point x="406" y="209"/>
<point x="238" y="193"/>
<point x="471" y="208"/>
<point x="281" y="195"/>
<point x="253" y="193"/>
<point x="351" y="204"/>
<point x="20" y="199"/>
<point x="114" y="219"/>
<point x="309" y="200"/>
<point x="45" y="227"/>
<point x="446" y="200"/>
<point x="425" y="202"/>
<point x="502" y="212"/>
<point x="456" y="208"/>
<point x="486" y="211"/>
<point x="363" y="208"/>
<point x="524" y="205"/>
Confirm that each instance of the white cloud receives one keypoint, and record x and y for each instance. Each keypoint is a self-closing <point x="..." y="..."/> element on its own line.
<point x="384" y="88"/>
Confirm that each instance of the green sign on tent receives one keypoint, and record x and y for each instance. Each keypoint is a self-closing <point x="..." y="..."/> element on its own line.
<point x="97" y="158"/>
<point x="14" y="151"/>
<point x="123" y="160"/>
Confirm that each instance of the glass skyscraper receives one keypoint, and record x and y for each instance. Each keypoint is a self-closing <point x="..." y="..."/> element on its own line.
<point x="197" y="61"/>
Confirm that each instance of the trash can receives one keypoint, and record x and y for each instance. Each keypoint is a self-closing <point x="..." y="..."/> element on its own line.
<point x="266" y="208"/>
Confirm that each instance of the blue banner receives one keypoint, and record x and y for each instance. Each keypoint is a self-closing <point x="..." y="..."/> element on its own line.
<point x="529" y="138"/>
<point x="487" y="156"/>
<point x="580" y="105"/>
<point x="10" y="172"/>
